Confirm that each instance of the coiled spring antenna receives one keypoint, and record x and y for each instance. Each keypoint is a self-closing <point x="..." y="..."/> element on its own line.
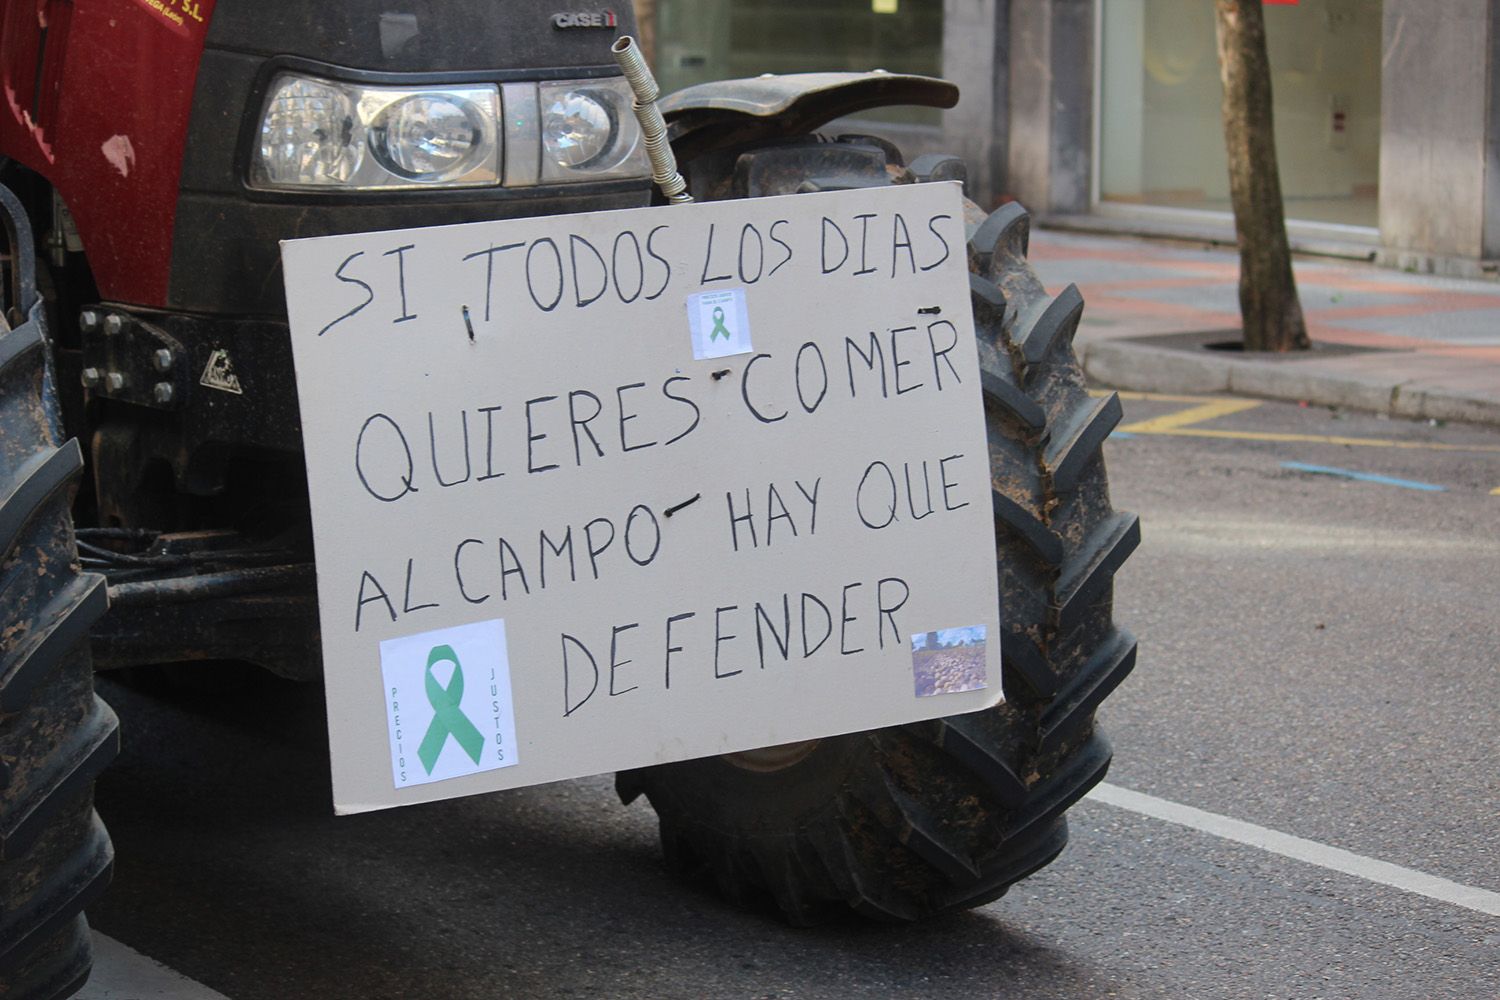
<point x="653" y="127"/>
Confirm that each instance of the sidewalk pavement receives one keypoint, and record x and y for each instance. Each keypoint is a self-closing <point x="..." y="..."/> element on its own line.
<point x="1408" y="345"/>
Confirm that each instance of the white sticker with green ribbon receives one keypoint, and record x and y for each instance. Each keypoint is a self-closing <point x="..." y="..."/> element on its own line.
<point x="719" y="323"/>
<point x="448" y="704"/>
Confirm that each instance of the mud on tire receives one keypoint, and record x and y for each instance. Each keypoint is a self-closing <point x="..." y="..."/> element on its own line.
<point x="901" y="823"/>
<point x="55" y="734"/>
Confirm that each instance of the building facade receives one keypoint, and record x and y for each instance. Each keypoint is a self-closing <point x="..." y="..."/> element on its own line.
<point x="1387" y="111"/>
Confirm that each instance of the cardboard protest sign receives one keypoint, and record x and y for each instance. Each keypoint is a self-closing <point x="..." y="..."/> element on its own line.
<point x="600" y="491"/>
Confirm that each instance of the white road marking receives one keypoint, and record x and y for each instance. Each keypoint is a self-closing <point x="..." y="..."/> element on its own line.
<point x="122" y="973"/>
<point x="1209" y="535"/>
<point x="1299" y="849"/>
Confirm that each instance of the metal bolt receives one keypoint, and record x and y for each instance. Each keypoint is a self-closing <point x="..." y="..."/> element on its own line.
<point x="89" y="320"/>
<point x="90" y="377"/>
<point x="113" y="324"/>
<point x="162" y="359"/>
<point x="162" y="392"/>
<point x="115" y="381"/>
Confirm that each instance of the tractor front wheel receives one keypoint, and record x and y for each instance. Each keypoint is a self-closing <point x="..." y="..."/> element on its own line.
<point x="55" y="734"/>
<point x="901" y="823"/>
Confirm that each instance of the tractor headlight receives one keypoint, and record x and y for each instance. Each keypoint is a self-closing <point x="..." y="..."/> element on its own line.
<point x="323" y="134"/>
<point x="431" y="137"/>
<point x="589" y="131"/>
<point x="309" y="134"/>
<point x="327" y="135"/>
<point x="576" y="128"/>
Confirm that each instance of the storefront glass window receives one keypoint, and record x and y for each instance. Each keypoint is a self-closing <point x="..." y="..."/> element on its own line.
<point x="702" y="40"/>
<point x="1162" y="136"/>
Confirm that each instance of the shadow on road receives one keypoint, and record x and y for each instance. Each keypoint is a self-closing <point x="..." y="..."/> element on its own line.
<point x="232" y="869"/>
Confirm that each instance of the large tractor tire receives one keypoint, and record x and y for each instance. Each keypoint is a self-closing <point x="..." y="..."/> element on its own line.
<point x="901" y="823"/>
<point x="55" y="734"/>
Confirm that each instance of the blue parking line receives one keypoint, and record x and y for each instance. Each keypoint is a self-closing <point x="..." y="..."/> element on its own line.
<point x="1121" y="435"/>
<point x="1367" y="477"/>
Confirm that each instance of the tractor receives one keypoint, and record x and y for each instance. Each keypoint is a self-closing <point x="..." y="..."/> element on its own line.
<point x="153" y="498"/>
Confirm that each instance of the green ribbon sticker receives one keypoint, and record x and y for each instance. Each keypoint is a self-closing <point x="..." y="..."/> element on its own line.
<point x="719" y="330"/>
<point x="450" y="719"/>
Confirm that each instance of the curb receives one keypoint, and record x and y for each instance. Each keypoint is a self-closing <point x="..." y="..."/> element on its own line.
<point x="1309" y="239"/>
<point x="1123" y="364"/>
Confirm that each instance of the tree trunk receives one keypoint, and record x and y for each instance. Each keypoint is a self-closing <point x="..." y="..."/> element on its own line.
<point x="1269" y="305"/>
<point x="645" y="29"/>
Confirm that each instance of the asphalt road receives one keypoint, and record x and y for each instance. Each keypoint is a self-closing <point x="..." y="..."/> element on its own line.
<point x="1318" y="656"/>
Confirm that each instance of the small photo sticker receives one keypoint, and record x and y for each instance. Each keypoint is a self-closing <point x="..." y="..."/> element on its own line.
<point x="447" y="703"/>
<point x="719" y="323"/>
<point x="948" y="661"/>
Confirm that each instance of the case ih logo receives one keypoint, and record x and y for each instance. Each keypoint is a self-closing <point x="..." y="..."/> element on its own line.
<point x="584" y="19"/>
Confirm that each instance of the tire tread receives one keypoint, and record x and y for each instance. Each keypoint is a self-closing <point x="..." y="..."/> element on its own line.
<point x="1082" y="436"/>
<point x="55" y="734"/>
<point x="950" y="812"/>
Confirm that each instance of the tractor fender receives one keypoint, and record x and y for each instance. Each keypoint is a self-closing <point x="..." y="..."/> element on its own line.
<point x="714" y="116"/>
